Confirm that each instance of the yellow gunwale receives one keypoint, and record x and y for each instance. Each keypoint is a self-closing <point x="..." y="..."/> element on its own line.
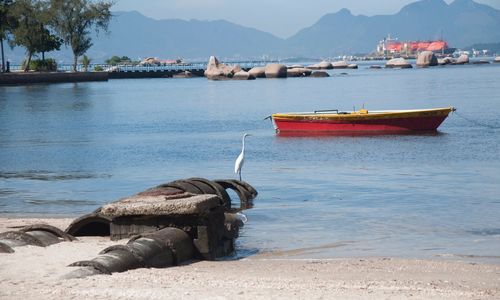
<point x="356" y="115"/>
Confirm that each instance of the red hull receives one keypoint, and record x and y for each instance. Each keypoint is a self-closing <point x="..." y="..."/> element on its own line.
<point x="428" y="123"/>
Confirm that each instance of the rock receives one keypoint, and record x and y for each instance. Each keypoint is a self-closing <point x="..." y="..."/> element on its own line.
<point x="446" y="61"/>
<point x="325" y="65"/>
<point x="462" y="59"/>
<point x="275" y="71"/>
<point x="258" y="72"/>
<point x="375" y="67"/>
<point x="398" y="63"/>
<point x="218" y="71"/>
<point x="497" y="59"/>
<point x="352" y="66"/>
<point x="340" y="65"/>
<point x="298" y="72"/>
<point x="295" y="66"/>
<point x="319" y="74"/>
<point x="426" y="59"/>
<point x="242" y="75"/>
<point x="184" y="74"/>
<point x="313" y="67"/>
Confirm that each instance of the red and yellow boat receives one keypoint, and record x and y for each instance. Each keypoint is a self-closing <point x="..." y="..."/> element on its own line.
<point x="386" y="121"/>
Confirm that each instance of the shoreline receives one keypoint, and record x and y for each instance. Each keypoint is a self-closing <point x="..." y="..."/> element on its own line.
<point x="34" y="273"/>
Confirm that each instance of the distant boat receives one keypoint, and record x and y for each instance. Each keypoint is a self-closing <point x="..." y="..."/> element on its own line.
<point x="335" y="121"/>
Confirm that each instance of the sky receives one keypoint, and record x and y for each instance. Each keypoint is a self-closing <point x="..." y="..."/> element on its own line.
<point x="282" y="18"/>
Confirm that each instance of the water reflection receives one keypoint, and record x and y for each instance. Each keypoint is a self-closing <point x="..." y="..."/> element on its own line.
<point x="50" y="176"/>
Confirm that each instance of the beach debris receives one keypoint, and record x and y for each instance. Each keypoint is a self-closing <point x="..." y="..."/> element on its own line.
<point x="167" y="247"/>
<point x="40" y="235"/>
<point x="93" y="224"/>
<point x="160" y="249"/>
<point x="275" y="71"/>
<point x="399" y="62"/>
<point x="198" y="206"/>
<point x="426" y="59"/>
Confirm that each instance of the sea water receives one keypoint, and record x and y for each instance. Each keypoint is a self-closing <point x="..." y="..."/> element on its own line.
<point x="66" y="149"/>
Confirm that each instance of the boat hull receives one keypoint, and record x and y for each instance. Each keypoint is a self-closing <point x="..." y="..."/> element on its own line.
<point x="398" y="121"/>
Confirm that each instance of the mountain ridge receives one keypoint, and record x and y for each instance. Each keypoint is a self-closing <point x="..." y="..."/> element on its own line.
<point x="462" y="23"/>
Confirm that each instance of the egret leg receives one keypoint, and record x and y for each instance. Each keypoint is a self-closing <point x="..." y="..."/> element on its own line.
<point x="240" y="175"/>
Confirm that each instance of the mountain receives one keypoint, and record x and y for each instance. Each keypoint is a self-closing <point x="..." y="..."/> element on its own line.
<point x="143" y="37"/>
<point x="137" y="36"/>
<point x="462" y="23"/>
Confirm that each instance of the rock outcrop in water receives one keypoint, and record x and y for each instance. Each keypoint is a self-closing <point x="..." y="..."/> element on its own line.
<point x="276" y="71"/>
<point x="426" y="59"/>
<point x="218" y="71"/>
<point x="398" y="63"/>
<point x="462" y="59"/>
<point x="340" y="64"/>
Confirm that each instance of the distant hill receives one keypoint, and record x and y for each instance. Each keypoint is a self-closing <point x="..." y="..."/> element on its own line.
<point x="462" y="23"/>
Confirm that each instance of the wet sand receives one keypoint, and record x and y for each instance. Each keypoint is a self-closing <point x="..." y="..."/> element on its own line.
<point x="35" y="273"/>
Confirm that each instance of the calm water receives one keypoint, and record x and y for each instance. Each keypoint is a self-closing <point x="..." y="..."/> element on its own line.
<point x="66" y="149"/>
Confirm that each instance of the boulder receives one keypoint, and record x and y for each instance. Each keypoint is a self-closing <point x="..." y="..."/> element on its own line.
<point x="398" y="63"/>
<point x="242" y="75"/>
<point x="319" y="74"/>
<point x="298" y="72"/>
<point x="462" y="59"/>
<point x="295" y="66"/>
<point x="258" y="72"/>
<point x="275" y="71"/>
<point x="217" y="71"/>
<point x="325" y="65"/>
<point x="375" y="67"/>
<point x="352" y="66"/>
<point x="183" y="74"/>
<point x="340" y="65"/>
<point x="426" y="59"/>
<point x="313" y="67"/>
<point x="497" y="59"/>
<point x="446" y="61"/>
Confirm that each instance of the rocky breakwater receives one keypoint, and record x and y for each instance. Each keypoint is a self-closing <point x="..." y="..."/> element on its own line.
<point x="219" y="71"/>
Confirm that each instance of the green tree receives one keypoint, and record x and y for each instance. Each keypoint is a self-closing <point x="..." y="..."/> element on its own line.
<point x="115" y="60"/>
<point x="31" y="31"/>
<point x="7" y="23"/>
<point x="74" y="20"/>
<point x="85" y="62"/>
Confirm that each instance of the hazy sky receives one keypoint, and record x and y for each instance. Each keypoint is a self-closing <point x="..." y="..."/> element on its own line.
<point x="279" y="17"/>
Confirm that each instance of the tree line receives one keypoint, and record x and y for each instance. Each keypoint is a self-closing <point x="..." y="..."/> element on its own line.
<point x="42" y="26"/>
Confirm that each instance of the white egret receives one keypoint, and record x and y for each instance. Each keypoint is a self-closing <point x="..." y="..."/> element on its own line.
<point x="241" y="158"/>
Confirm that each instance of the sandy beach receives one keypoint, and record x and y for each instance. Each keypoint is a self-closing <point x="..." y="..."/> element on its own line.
<point x="36" y="273"/>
